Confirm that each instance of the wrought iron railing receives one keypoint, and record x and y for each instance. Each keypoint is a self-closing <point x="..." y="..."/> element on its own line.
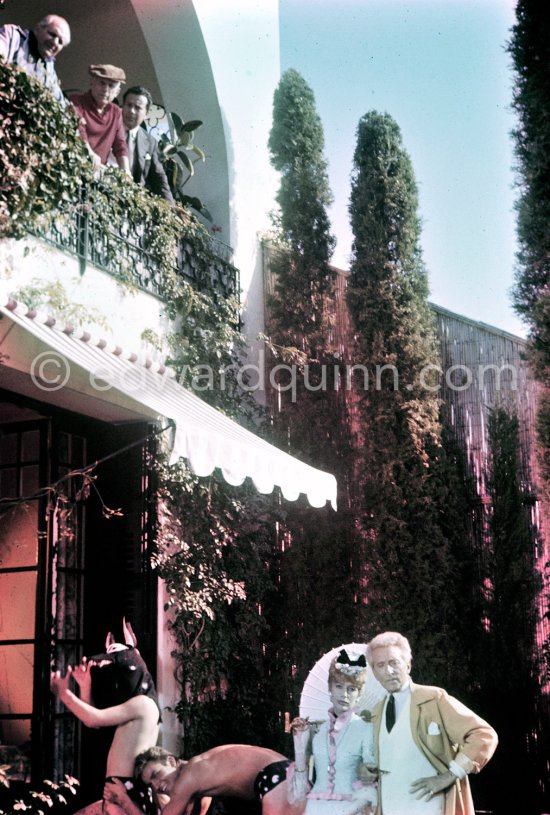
<point x="76" y="231"/>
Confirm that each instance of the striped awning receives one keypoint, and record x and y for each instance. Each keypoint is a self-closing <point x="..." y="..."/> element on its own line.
<point x="71" y="367"/>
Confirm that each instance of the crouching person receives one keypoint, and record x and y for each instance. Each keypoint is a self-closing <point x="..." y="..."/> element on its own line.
<point x="116" y="690"/>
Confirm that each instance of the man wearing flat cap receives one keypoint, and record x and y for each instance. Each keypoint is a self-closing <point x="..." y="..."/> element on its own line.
<point x="100" y="119"/>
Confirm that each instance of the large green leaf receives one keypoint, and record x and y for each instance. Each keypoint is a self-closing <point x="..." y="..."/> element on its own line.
<point x="175" y="173"/>
<point x="177" y="121"/>
<point x="184" y="139"/>
<point x="196" y="204"/>
<point x="190" y="126"/>
<point x="186" y="161"/>
<point x="198" y="152"/>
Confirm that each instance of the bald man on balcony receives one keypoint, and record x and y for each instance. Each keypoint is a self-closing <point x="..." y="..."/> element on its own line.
<point x="35" y="51"/>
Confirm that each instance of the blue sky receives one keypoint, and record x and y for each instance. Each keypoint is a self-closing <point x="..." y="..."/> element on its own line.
<point x="440" y="68"/>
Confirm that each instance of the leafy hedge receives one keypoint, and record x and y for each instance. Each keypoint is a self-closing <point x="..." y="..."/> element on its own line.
<point x="41" y="153"/>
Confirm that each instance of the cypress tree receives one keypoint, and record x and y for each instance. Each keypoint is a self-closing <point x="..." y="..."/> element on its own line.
<point x="296" y="144"/>
<point x="530" y="50"/>
<point x="313" y="562"/>
<point x="409" y="568"/>
<point x="511" y="676"/>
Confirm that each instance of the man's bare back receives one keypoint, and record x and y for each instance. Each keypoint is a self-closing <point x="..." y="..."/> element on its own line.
<point x="230" y="770"/>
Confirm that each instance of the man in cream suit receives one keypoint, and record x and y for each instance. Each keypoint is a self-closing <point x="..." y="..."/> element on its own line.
<point x="426" y="741"/>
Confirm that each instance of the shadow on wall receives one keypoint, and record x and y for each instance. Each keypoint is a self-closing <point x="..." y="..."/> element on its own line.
<point x="102" y="31"/>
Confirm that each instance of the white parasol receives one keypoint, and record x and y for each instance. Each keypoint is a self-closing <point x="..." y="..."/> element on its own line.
<point x="315" y="700"/>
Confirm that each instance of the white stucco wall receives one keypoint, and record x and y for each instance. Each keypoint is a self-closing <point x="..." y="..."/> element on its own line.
<point x="221" y="59"/>
<point x="124" y="314"/>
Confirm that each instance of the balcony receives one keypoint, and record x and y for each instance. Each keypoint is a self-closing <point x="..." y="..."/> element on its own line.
<point x="124" y="243"/>
<point x="48" y="190"/>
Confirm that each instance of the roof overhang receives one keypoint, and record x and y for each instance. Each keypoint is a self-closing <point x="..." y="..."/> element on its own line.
<point x="69" y="367"/>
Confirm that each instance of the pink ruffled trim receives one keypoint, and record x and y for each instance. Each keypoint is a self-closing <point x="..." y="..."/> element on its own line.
<point x="342" y="721"/>
<point x="330" y="796"/>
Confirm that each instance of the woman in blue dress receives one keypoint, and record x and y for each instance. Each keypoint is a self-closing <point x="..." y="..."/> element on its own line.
<point x="339" y="746"/>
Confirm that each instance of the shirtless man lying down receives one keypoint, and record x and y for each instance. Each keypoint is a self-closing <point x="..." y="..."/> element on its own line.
<point x="231" y="770"/>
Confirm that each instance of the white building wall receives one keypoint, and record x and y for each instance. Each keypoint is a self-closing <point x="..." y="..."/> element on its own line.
<point x="222" y="60"/>
<point x="124" y="314"/>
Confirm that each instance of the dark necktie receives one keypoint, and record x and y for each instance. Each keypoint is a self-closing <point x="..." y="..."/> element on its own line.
<point x="390" y="713"/>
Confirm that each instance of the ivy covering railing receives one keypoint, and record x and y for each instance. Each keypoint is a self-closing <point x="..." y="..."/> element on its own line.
<point x="48" y="189"/>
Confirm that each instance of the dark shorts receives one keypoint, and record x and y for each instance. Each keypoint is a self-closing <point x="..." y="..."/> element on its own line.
<point x="138" y="792"/>
<point x="270" y="777"/>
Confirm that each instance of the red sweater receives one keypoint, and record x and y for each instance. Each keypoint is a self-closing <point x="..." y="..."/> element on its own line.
<point x="103" y="131"/>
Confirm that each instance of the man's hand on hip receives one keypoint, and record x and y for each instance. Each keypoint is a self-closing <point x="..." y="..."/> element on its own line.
<point x="425" y="788"/>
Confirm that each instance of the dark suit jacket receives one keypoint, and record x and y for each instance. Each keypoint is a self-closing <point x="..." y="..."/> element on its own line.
<point x="148" y="169"/>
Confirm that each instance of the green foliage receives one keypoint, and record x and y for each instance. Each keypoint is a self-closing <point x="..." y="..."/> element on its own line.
<point x="316" y="572"/>
<point x="49" y="177"/>
<point x="530" y="50"/>
<point x="511" y="667"/>
<point x="515" y="579"/>
<point x="174" y="148"/>
<point x="383" y="204"/>
<point x="53" y="296"/>
<point x="296" y="144"/>
<point x="214" y="544"/>
<point x="400" y="468"/>
<point x="388" y="292"/>
<point x="316" y="558"/>
<point x="41" y="154"/>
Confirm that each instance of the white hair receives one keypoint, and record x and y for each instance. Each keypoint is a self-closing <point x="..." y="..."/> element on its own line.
<point x="385" y="640"/>
<point x="55" y="18"/>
